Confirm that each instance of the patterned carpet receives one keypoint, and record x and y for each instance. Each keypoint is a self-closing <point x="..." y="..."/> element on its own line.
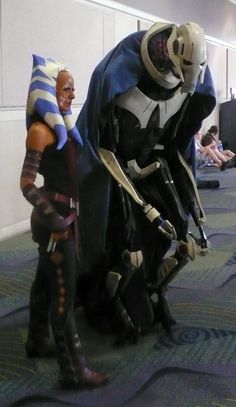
<point x="194" y="368"/>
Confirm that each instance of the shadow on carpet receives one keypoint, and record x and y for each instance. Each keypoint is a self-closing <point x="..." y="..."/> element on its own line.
<point x="195" y="367"/>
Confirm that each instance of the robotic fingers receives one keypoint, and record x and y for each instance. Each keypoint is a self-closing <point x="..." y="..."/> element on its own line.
<point x="164" y="226"/>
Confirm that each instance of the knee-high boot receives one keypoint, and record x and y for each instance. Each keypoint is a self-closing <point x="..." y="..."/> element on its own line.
<point x="74" y="372"/>
<point x="37" y="343"/>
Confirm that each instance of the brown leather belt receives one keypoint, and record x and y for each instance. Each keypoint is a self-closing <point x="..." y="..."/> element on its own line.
<point x="70" y="218"/>
<point x="55" y="196"/>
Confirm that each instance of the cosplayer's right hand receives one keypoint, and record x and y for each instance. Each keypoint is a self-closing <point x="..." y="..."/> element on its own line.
<point x="54" y="222"/>
<point x="164" y="226"/>
<point x="56" y="237"/>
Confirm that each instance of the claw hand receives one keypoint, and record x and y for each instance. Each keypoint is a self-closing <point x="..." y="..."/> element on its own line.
<point x="203" y="245"/>
<point x="164" y="226"/>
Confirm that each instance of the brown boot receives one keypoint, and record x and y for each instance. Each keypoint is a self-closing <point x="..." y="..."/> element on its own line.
<point x="77" y="375"/>
<point x="74" y="372"/>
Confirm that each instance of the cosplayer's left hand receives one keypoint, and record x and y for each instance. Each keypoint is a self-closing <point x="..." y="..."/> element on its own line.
<point x="164" y="226"/>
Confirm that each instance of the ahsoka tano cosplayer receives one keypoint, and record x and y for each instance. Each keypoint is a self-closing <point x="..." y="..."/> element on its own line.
<point x="52" y="150"/>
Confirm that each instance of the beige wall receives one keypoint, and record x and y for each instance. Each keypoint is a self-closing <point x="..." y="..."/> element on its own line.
<point x="216" y="16"/>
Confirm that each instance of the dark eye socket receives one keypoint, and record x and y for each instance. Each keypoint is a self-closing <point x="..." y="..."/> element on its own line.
<point x="202" y="64"/>
<point x="68" y="88"/>
<point x="187" y="62"/>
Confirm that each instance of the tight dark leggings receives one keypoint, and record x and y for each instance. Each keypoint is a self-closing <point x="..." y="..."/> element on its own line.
<point x="52" y="293"/>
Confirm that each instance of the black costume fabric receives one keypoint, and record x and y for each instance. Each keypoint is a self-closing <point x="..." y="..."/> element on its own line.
<point x="119" y="71"/>
<point x="54" y="284"/>
<point x="58" y="169"/>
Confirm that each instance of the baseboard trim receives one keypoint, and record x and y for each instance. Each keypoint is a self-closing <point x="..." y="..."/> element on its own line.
<point x="13" y="230"/>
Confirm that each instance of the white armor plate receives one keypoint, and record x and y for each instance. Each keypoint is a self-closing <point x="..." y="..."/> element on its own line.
<point x="142" y="106"/>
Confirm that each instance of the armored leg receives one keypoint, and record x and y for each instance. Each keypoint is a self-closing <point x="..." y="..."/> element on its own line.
<point x="165" y="274"/>
<point x="126" y="285"/>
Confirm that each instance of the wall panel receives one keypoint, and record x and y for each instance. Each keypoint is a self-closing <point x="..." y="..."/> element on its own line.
<point x="13" y="208"/>
<point x="231" y="71"/>
<point x="0" y="54"/>
<point x="109" y="39"/>
<point x="217" y="17"/>
<point x="125" y="24"/>
<point x="71" y="32"/>
<point x="117" y="25"/>
<point x="217" y="65"/>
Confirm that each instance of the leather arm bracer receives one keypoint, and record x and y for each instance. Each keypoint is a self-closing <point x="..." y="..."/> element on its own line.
<point x="37" y="198"/>
<point x="54" y="222"/>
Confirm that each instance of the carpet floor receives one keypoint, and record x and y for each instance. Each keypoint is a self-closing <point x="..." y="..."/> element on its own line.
<point x="196" y="367"/>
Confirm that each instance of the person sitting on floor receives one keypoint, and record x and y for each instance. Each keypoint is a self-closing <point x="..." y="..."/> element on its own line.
<point x="211" y="139"/>
<point x="206" y="155"/>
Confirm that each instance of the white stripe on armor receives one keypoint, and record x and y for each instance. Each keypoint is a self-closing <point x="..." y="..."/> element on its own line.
<point x="142" y="106"/>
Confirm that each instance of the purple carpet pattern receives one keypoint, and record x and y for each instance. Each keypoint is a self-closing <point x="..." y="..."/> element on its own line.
<point x="195" y="367"/>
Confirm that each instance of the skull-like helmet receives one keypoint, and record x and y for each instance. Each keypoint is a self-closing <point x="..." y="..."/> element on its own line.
<point x="175" y="55"/>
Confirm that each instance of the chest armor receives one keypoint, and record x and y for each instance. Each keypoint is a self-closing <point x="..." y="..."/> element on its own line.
<point x="58" y="168"/>
<point x="143" y="121"/>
